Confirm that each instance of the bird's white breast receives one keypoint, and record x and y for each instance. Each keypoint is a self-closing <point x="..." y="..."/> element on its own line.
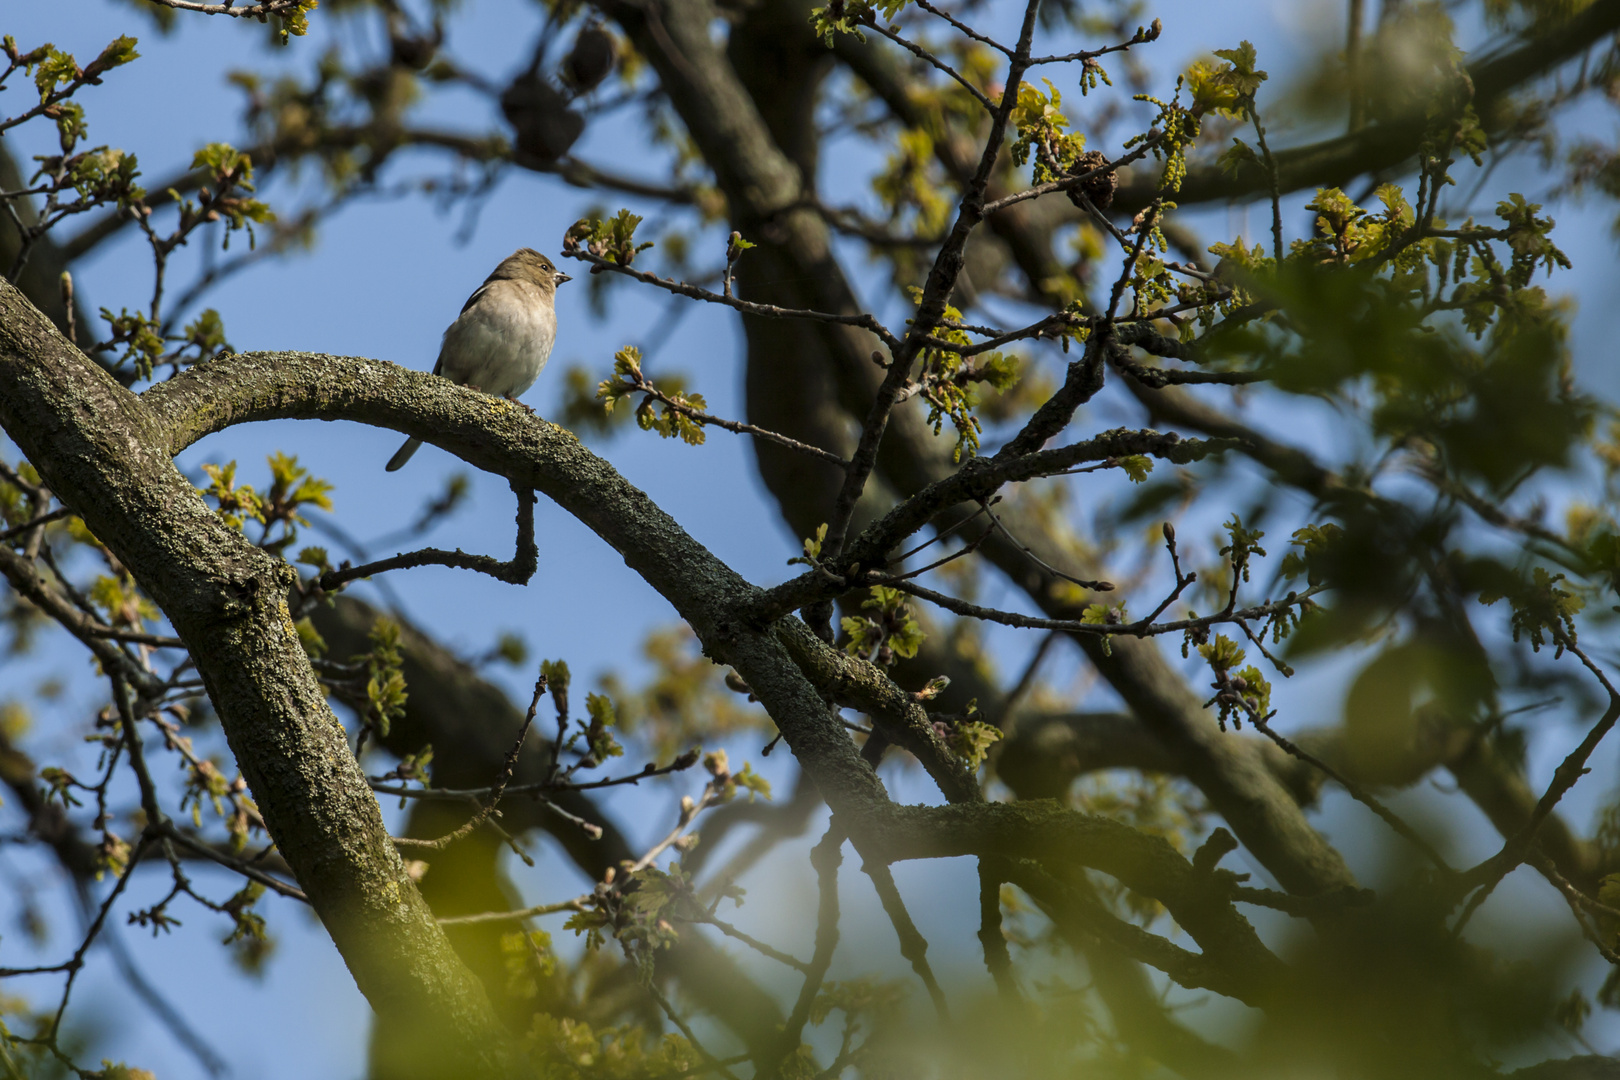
<point x="501" y="342"/>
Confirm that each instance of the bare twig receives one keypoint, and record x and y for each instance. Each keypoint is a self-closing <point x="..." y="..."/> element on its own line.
<point x="1025" y="680"/>
<point x="241" y="866"/>
<point x="517" y="571"/>
<point x="697" y="416"/>
<point x="963" y="28"/>
<point x="1071" y="183"/>
<point x="578" y="903"/>
<point x="997" y="958"/>
<point x="381" y="786"/>
<point x="1141" y="37"/>
<point x="1488" y="874"/>
<point x="825" y="857"/>
<point x="1271" y="175"/>
<point x="43" y="519"/>
<point x="715" y="1064"/>
<point x="249" y="11"/>
<point x="1095" y="586"/>
<point x="913" y="946"/>
<point x="871" y="23"/>
<point x="701" y="916"/>
<point x="486" y="807"/>
<point x="1580" y="905"/>
<point x="1388" y="816"/>
<point x="769" y="311"/>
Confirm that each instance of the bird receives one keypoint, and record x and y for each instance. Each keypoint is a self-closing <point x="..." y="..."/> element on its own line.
<point x="504" y="334"/>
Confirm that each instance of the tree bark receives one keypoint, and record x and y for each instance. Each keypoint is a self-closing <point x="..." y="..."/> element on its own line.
<point x="104" y="453"/>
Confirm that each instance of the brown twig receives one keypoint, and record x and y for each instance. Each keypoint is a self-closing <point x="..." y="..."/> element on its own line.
<point x="768" y="311"/>
<point x="517" y="571"/>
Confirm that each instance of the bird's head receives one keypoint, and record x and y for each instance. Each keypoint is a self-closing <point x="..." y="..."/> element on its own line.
<point x="526" y="264"/>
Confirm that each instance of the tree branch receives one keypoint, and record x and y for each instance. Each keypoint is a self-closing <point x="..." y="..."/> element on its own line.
<point x="106" y="453"/>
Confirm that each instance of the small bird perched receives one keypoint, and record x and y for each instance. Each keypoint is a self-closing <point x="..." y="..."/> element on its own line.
<point x="503" y="336"/>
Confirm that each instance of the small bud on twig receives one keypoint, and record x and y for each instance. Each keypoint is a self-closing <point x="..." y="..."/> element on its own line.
<point x="67" y="310"/>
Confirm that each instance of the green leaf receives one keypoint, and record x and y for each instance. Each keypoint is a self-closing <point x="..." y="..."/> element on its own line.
<point x="234" y="505"/>
<point x="512" y="649"/>
<point x="557" y="678"/>
<point x="1136" y="466"/>
<point x="1244" y="544"/>
<point x="971" y="741"/>
<point x="295" y="20"/>
<point x="385" y="689"/>
<point x="1223" y="653"/>
<point x="225" y="164"/>
<point x="752" y="782"/>
<point x="1314" y="542"/>
<point x="1242" y="76"/>
<point x="120" y="51"/>
<point x="812" y="546"/>
<point x="600" y="740"/>
<point x="1233" y="160"/>
<point x="207" y="333"/>
<point x="56" y="68"/>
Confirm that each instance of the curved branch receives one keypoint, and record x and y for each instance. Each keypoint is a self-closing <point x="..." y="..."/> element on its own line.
<point x="506" y="440"/>
<point x="105" y="453"/>
<point x="503" y="438"/>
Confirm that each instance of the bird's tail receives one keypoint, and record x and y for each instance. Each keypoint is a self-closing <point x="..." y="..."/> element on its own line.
<point x="404" y="454"/>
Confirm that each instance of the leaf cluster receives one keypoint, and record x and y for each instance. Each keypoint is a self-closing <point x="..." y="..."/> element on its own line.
<point x="891" y="632"/>
<point x="613" y="239"/>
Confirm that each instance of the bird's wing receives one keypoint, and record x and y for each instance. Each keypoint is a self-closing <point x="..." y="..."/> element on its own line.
<point x="438" y="365"/>
<point x="473" y="299"/>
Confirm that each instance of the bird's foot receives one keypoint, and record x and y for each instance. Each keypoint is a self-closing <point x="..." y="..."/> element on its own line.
<point x="519" y="404"/>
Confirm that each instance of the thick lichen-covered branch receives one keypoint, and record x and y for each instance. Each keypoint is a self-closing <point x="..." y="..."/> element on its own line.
<point x="104" y="452"/>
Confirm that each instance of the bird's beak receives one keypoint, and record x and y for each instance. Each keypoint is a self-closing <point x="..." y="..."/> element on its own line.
<point x="560" y="278"/>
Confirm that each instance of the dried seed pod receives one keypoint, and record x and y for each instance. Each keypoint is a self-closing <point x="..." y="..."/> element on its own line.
<point x="414" y="51"/>
<point x="542" y="123"/>
<point x="591" y="59"/>
<point x="1100" y="188"/>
